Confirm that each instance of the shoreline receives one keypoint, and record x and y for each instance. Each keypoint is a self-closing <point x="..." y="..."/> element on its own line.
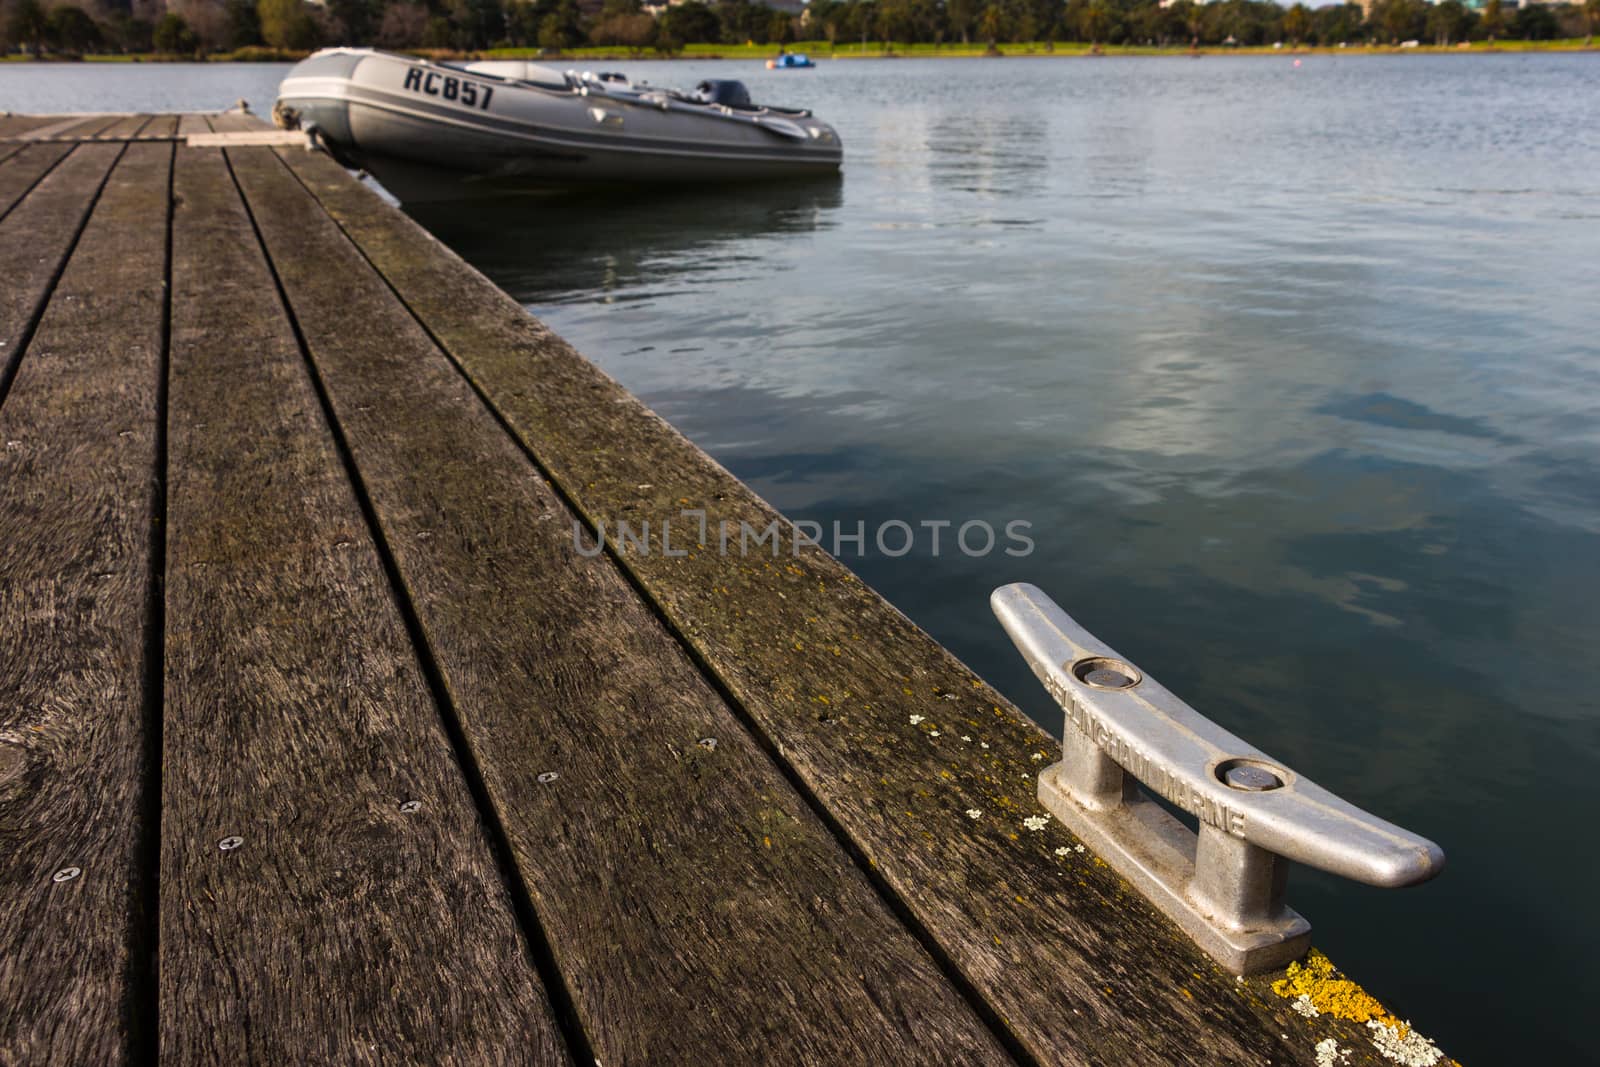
<point x="820" y="51"/>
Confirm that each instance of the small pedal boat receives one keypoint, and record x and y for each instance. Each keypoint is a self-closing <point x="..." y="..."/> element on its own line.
<point x="437" y="130"/>
<point x="790" y="61"/>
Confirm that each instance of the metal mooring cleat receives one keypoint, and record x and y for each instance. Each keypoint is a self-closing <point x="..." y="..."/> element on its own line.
<point x="1224" y="886"/>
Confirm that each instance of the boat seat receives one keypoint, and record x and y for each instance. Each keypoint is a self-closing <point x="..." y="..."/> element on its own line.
<point x="519" y="70"/>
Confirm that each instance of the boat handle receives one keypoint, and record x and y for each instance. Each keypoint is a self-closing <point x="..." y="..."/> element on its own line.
<point x="1225" y="884"/>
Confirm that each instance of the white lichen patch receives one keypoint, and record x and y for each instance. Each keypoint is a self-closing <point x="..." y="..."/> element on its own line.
<point x="983" y="744"/>
<point x="916" y="719"/>
<point x="973" y="813"/>
<point x="1329" y="1054"/>
<point x="1404" y="1047"/>
<point x="1303" y="1006"/>
<point x="1036" y="822"/>
<point x="964" y="737"/>
<point x="933" y="733"/>
<point x="1077" y="848"/>
<point x="1037" y="756"/>
<point x="1063" y="851"/>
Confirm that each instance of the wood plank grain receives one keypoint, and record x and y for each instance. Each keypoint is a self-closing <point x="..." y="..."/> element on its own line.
<point x="77" y="475"/>
<point x="344" y="928"/>
<point x="850" y="692"/>
<point x="23" y="169"/>
<point x="35" y="238"/>
<point x="85" y="129"/>
<point x="124" y="128"/>
<point x="12" y="125"/>
<point x="160" y="126"/>
<point x="235" y="121"/>
<point x="58" y="124"/>
<point x="193" y="122"/>
<point x="698" y="909"/>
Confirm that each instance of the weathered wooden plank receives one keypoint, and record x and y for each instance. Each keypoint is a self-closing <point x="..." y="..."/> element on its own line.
<point x="264" y="136"/>
<point x="238" y="121"/>
<point x="160" y="126"/>
<point x="193" y="122"/>
<point x="35" y="238"/>
<point x="14" y="125"/>
<point x="85" y="129"/>
<point x="124" y="128"/>
<point x="697" y="908"/>
<point x="345" y="927"/>
<point x="56" y="125"/>
<point x="77" y="487"/>
<point x="31" y="127"/>
<point x="869" y="712"/>
<point x="22" y="169"/>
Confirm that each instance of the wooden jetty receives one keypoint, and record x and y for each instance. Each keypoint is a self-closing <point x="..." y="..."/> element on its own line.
<point x="320" y="743"/>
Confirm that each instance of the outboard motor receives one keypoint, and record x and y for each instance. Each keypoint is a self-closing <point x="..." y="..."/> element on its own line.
<point x="725" y="92"/>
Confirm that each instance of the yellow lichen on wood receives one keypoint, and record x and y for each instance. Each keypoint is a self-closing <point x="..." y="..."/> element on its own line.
<point x="1316" y="983"/>
<point x="1330" y="992"/>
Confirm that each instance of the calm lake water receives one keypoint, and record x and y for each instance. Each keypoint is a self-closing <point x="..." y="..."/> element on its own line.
<point x="1294" y="370"/>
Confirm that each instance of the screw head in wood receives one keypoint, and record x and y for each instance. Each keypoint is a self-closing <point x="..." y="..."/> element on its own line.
<point x="410" y="806"/>
<point x="547" y="777"/>
<point x="66" y="874"/>
<point x="228" y="844"/>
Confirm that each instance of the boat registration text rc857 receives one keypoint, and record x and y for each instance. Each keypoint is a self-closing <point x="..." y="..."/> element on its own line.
<point x="460" y="90"/>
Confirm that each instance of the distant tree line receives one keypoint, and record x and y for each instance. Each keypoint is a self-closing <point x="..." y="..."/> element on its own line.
<point x="1242" y="22"/>
<point x="196" y="27"/>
